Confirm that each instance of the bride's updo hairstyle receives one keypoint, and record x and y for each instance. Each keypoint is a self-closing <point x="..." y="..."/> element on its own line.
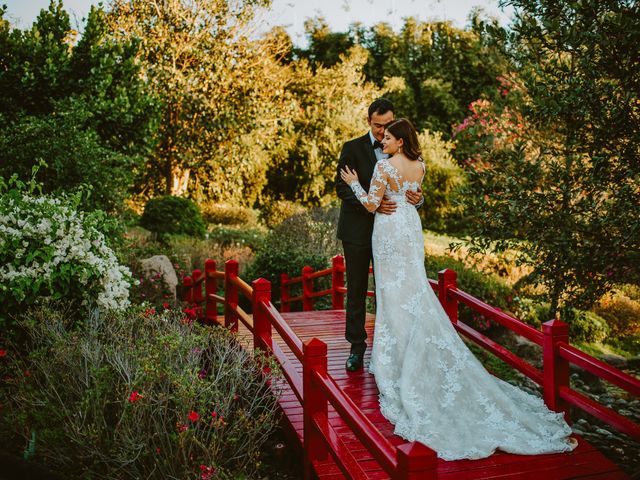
<point x="403" y="129"/>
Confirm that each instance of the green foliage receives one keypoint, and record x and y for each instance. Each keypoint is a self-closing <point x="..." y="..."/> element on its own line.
<point x="329" y="107"/>
<point x="274" y="213"/>
<point x="225" y="214"/>
<point x="173" y="215"/>
<point x="303" y="239"/>
<point x="204" y="99"/>
<point x="136" y="395"/>
<point x="486" y="287"/>
<point x="51" y="251"/>
<point x="431" y="70"/>
<point x="566" y="188"/>
<point x="443" y="178"/>
<point x="621" y="310"/>
<point x="74" y="156"/>
<point x="584" y="326"/>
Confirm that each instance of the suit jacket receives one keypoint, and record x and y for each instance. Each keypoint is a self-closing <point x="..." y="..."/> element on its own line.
<point x="355" y="224"/>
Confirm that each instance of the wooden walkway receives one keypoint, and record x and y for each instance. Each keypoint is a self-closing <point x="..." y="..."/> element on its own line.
<point x="585" y="462"/>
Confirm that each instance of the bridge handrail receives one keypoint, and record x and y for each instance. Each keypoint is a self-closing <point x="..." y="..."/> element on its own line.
<point x="554" y="340"/>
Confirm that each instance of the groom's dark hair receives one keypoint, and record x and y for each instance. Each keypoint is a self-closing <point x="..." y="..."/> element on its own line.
<point x="381" y="106"/>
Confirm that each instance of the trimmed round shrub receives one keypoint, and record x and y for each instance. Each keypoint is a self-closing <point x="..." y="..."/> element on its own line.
<point x="49" y="250"/>
<point x="584" y="326"/>
<point x="136" y="395"/>
<point x="278" y="211"/>
<point x="173" y="215"/>
<point x="621" y="309"/>
<point x="223" y="214"/>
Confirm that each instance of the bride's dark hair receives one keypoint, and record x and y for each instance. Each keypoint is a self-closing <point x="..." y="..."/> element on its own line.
<point x="403" y="129"/>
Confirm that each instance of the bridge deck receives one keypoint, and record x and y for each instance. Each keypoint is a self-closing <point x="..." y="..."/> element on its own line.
<point x="585" y="462"/>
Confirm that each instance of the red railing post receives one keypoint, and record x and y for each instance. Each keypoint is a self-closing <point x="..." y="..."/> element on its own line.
<point x="555" y="368"/>
<point x="307" y="289"/>
<point x="285" y="306"/>
<point x="210" y="288"/>
<point x="337" y="282"/>
<point x="197" y="291"/>
<point x="446" y="281"/>
<point x="416" y="461"/>
<point x="314" y="359"/>
<point x="231" y="268"/>
<point x="187" y="289"/>
<point x="261" y="323"/>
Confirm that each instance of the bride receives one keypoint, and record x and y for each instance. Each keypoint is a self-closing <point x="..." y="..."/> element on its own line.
<point x="432" y="388"/>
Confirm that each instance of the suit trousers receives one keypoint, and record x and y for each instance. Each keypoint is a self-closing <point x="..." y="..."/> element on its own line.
<point x="357" y="259"/>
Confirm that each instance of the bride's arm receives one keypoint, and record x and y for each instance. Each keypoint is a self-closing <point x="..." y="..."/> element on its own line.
<point x="370" y="201"/>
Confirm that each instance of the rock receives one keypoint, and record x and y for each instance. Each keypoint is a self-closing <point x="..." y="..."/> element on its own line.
<point x="161" y="265"/>
<point x="614" y="360"/>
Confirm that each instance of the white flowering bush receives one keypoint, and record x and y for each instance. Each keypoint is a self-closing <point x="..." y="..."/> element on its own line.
<point x="49" y="249"/>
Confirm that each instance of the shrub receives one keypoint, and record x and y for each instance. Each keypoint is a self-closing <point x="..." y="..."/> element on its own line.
<point x="584" y="326"/>
<point x="50" y="250"/>
<point x="443" y="177"/>
<point x="276" y="212"/>
<point x="307" y="238"/>
<point x="74" y="157"/>
<point x="621" y="310"/>
<point x="173" y="215"/>
<point x="487" y="288"/>
<point x="223" y="214"/>
<point x="136" y="395"/>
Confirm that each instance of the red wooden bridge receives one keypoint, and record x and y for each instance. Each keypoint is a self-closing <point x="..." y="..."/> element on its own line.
<point x="334" y="414"/>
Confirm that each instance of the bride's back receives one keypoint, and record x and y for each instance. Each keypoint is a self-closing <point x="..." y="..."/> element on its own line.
<point x="408" y="171"/>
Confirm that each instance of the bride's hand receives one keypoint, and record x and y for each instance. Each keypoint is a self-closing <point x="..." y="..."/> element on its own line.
<point x="349" y="176"/>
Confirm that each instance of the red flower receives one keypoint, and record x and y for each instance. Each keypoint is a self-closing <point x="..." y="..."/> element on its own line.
<point x="166" y="305"/>
<point x="181" y="427"/>
<point x="158" y="450"/>
<point x="191" y="312"/>
<point x="134" y="397"/>
<point x="3" y="352"/>
<point x="206" y="472"/>
<point x="149" y="311"/>
<point x="214" y="414"/>
<point x="193" y="416"/>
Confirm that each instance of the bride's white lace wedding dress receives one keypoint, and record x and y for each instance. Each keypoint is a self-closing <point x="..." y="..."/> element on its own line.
<point x="432" y="388"/>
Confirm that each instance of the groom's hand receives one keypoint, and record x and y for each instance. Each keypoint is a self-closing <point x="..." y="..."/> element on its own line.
<point x="387" y="207"/>
<point x="414" y="197"/>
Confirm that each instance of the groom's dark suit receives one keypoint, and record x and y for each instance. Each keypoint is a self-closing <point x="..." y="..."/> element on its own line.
<point x="354" y="229"/>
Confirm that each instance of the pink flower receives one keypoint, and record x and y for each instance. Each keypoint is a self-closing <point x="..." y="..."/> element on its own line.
<point x="193" y="416"/>
<point x="134" y="397"/>
<point x="202" y="374"/>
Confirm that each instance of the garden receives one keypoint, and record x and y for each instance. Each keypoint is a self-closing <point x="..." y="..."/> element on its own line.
<point x="132" y="151"/>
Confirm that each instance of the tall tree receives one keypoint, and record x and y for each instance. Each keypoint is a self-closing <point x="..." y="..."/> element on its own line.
<point x="219" y="92"/>
<point x="567" y="190"/>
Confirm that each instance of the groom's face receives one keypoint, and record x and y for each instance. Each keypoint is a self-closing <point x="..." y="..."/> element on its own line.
<point x="377" y="123"/>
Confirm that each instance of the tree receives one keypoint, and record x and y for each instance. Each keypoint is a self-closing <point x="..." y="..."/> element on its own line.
<point x="329" y="106"/>
<point x="566" y="190"/>
<point x="219" y="93"/>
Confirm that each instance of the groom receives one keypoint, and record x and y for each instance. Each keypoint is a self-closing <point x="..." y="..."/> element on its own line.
<point x="356" y="223"/>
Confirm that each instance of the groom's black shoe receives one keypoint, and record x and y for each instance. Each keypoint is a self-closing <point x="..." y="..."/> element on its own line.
<point x="354" y="362"/>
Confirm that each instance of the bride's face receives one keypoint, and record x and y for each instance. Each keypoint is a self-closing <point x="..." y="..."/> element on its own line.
<point x="390" y="143"/>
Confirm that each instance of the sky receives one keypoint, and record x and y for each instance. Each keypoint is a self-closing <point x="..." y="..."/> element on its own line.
<point x="292" y="14"/>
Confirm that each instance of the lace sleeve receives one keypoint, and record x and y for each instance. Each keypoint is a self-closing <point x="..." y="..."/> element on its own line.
<point x="378" y="186"/>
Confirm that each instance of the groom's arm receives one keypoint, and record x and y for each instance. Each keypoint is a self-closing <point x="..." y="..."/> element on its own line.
<point x="342" y="189"/>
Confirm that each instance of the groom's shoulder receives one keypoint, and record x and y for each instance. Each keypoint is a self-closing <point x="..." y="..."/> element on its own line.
<point x="357" y="141"/>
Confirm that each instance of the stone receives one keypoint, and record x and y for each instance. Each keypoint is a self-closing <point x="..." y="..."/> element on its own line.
<point x="160" y="264"/>
<point x="614" y="360"/>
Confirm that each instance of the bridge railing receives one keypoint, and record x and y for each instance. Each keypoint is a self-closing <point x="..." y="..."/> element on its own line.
<point x="557" y="352"/>
<point x="411" y="460"/>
